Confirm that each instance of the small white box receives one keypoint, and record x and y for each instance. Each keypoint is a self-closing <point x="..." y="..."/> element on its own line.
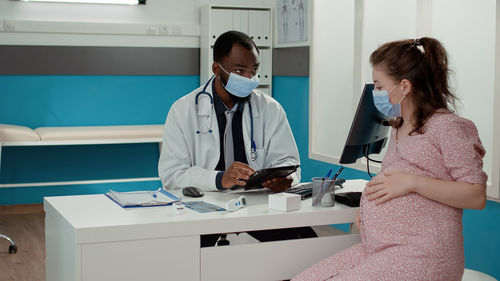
<point x="284" y="201"/>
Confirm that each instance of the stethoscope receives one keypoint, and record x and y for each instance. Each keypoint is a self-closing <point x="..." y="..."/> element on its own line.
<point x="253" y="150"/>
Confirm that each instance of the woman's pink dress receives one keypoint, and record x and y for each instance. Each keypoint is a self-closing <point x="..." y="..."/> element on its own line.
<point x="412" y="237"/>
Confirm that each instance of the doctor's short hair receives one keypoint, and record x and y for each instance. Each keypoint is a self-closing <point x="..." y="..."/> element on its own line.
<point x="225" y="42"/>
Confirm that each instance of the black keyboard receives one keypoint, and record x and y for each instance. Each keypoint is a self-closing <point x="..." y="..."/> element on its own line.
<point x="305" y="191"/>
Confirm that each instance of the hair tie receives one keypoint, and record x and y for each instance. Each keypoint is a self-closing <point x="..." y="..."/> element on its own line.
<point x="416" y="42"/>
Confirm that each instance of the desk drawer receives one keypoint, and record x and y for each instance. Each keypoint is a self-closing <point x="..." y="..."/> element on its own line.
<point x="174" y="258"/>
<point x="270" y="260"/>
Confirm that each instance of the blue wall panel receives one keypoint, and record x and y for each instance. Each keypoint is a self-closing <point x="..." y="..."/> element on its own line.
<point x="481" y="239"/>
<point x="36" y="101"/>
<point x="80" y="162"/>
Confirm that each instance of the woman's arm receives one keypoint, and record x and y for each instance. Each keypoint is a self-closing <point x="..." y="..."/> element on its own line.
<point x="452" y="193"/>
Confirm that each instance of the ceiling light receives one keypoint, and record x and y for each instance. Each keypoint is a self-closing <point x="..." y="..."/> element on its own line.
<point x="120" y="2"/>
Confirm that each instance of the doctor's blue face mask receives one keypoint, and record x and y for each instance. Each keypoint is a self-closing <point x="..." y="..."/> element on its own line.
<point x="383" y="104"/>
<point x="240" y="86"/>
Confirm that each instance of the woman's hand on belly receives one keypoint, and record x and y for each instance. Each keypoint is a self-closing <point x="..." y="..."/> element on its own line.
<point x="391" y="184"/>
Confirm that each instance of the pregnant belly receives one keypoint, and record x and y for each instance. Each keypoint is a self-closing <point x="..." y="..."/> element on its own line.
<point x="410" y="221"/>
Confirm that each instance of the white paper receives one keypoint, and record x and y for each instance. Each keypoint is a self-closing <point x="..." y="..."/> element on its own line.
<point x="352" y="186"/>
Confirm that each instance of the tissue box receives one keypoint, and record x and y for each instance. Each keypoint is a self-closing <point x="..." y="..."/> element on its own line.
<point x="284" y="201"/>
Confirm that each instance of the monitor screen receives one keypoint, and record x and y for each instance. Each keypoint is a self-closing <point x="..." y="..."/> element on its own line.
<point x="369" y="130"/>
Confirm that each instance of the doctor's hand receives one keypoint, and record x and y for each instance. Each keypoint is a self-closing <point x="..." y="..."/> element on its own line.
<point x="391" y="185"/>
<point x="235" y="174"/>
<point x="278" y="184"/>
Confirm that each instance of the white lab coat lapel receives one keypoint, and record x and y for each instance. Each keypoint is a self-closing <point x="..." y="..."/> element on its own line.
<point x="206" y="146"/>
<point x="257" y="123"/>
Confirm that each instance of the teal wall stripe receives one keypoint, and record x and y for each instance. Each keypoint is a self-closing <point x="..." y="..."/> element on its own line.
<point x="37" y="101"/>
<point x="80" y="162"/>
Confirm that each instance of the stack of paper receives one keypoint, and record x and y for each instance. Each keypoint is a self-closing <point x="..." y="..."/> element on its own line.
<point x="357" y="185"/>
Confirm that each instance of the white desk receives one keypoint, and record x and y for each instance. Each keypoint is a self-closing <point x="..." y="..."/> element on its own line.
<point x="89" y="237"/>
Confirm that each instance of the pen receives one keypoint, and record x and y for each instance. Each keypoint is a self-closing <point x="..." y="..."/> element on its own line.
<point x="328" y="174"/>
<point x="338" y="172"/>
<point x="323" y="188"/>
<point x="334" y="177"/>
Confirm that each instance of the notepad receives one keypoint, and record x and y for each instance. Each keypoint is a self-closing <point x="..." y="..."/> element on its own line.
<point x="143" y="198"/>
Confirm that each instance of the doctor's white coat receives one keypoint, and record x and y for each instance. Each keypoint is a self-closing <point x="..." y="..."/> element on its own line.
<point x="189" y="159"/>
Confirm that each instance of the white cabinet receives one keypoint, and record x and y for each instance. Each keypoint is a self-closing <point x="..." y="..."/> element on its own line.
<point x="260" y="29"/>
<point x="254" y="21"/>
<point x="265" y="67"/>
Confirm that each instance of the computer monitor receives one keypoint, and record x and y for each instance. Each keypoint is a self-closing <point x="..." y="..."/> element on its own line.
<point x="369" y="130"/>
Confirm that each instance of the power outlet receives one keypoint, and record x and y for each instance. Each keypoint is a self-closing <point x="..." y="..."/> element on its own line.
<point x="152" y="30"/>
<point x="176" y="29"/>
<point x="164" y="30"/>
<point x="9" y="26"/>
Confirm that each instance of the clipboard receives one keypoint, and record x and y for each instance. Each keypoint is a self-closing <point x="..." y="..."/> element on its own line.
<point x="143" y="198"/>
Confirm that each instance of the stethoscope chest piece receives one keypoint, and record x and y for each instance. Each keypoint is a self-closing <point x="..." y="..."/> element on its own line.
<point x="253" y="155"/>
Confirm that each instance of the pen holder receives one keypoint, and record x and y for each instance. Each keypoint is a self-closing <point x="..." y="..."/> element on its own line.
<point x="323" y="192"/>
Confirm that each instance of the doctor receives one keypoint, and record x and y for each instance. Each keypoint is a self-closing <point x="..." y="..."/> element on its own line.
<point x="218" y="135"/>
<point x="224" y="131"/>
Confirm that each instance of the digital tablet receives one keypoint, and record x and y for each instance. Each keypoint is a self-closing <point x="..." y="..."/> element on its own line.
<point x="262" y="175"/>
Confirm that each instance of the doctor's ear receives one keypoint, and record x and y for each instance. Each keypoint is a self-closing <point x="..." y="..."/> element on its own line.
<point x="216" y="68"/>
<point x="406" y="87"/>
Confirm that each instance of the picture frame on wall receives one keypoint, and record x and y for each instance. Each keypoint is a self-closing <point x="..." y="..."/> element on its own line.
<point x="292" y="24"/>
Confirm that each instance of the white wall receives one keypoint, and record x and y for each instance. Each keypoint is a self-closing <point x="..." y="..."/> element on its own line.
<point x="184" y="13"/>
<point x="471" y="50"/>
<point x="334" y="88"/>
<point x="331" y="75"/>
<point x="384" y="21"/>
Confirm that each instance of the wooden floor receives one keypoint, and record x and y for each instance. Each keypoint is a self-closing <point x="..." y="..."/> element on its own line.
<point x="25" y="225"/>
